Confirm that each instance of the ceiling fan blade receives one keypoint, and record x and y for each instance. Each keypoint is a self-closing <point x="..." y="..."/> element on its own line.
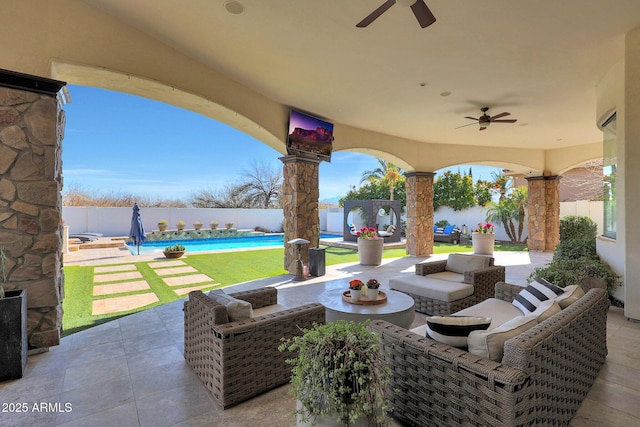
<point x="423" y="14"/>
<point x="464" y="126"/>
<point x="497" y="116"/>
<point x="376" y="13"/>
<point x="472" y="118"/>
<point x="504" y="121"/>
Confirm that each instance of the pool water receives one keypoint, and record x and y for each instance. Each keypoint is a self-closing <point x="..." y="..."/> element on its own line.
<point x="200" y="245"/>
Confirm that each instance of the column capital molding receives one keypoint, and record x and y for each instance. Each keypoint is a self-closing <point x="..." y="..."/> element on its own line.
<point x="544" y="178"/>
<point x="419" y="174"/>
<point x="293" y="158"/>
<point x="30" y="83"/>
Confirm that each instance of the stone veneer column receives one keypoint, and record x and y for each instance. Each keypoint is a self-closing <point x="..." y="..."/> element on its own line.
<point x="31" y="131"/>
<point x="300" y="193"/>
<point x="419" y="187"/>
<point x="544" y="213"/>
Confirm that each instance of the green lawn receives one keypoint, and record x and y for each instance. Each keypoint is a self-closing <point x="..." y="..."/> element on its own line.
<point x="227" y="268"/>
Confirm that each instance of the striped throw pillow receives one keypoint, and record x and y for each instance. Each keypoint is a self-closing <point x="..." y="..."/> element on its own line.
<point x="533" y="295"/>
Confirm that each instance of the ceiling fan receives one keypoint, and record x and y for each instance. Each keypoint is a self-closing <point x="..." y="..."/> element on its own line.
<point x="419" y="8"/>
<point x="485" y="120"/>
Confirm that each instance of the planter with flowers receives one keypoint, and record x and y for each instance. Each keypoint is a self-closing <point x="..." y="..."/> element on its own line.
<point x="370" y="246"/>
<point x="373" y="287"/>
<point x="483" y="239"/>
<point x="355" y="289"/>
<point x="162" y="225"/>
<point x="197" y="225"/>
<point x="180" y="225"/>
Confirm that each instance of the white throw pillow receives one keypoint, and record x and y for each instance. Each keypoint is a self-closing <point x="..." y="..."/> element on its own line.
<point x="237" y="309"/>
<point x="459" y="263"/>
<point x="453" y="330"/>
<point x="569" y="296"/>
<point x="490" y="344"/>
<point x="533" y="295"/>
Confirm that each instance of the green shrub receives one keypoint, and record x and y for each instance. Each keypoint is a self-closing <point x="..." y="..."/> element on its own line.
<point x="576" y="248"/>
<point x="566" y="271"/>
<point x="442" y="223"/>
<point x="577" y="227"/>
<point x="175" y="248"/>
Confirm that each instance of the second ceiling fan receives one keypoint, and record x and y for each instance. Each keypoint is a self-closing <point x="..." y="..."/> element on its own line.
<point x="419" y="8"/>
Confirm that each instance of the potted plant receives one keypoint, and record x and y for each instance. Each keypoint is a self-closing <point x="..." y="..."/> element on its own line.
<point x="228" y="225"/>
<point x="355" y="289"/>
<point x="175" y="251"/>
<point x="338" y="375"/>
<point x="197" y="225"/>
<point x="213" y="225"/>
<point x="13" y="327"/>
<point x="180" y="225"/>
<point x="483" y="239"/>
<point x="373" y="287"/>
<point x="162" y="224"/>
<point x="370" y="246"/>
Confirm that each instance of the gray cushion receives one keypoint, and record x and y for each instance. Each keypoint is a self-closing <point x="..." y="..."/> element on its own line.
<point x="425" y="286"/>
<point x="500" y="311"/>
<point x="236" y="309"/>
<point x="449" y="276"/>
<point x="459" y="263"/>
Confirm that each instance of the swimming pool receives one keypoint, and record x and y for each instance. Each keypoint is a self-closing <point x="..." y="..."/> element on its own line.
<point x="200" y="245"/>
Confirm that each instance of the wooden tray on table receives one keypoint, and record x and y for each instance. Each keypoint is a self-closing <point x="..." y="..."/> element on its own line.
<point x="382" y="298"/>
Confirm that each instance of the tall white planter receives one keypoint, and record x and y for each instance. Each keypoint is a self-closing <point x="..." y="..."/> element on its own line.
<point x="370" y="251"/>
<point x="483" y="243"/>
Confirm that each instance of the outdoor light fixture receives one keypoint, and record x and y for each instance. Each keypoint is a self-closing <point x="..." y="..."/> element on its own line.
<point x="464" y="229"/>
<point x="299" y="267"/>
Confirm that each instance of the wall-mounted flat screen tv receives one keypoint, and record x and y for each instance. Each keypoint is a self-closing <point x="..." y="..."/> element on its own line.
<point x="309" y="136"/>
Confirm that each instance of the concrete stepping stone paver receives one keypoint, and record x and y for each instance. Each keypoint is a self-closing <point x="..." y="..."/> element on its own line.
<point x="175" y="270"/>
<point x="162" y="264"/>
<point x="117" y="304"/>
<point x="114" y="277"/>
<point x="187" y="280"/>
<point x="116" y="288"/>
<point x="114" y="268"/>
<point x="184" y="291"/>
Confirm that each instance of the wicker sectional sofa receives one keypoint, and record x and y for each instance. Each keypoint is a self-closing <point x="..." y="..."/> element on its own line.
<point x="237" y="360"/>
<point x="544" y="374"/>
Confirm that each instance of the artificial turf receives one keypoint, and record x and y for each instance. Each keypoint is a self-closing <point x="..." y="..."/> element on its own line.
<point x="226" y="268"/>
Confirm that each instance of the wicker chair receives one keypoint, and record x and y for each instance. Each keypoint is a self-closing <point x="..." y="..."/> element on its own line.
<point x="483" y="281"/>
<point x="238" y="360"/>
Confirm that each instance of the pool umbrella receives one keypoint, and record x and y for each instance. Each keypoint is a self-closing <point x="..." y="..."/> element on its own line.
<point x="137" y="230"/>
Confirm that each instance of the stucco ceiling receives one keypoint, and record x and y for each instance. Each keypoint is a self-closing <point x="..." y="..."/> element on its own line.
<point x="540" y="60"/>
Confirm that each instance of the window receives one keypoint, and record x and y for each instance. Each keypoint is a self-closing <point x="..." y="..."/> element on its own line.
<point x="610" y="171"/>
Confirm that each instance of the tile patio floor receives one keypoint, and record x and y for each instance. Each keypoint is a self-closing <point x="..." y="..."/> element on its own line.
<point x="130" y="371"/>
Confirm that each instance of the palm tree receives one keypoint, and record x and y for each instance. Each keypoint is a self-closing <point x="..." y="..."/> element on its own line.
<point x="509" y="209"/>
<point x="387" y="172"/>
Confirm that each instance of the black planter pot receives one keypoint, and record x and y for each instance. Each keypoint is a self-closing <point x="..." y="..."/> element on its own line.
<point x="13" y="335"/>
<point x="317" y="262"/>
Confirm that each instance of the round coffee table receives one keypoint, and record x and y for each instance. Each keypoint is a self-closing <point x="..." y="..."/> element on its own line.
<point x="397" y="310"/>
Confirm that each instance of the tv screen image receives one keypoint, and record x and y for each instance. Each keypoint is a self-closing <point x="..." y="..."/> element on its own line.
<point x="309" y="136"/>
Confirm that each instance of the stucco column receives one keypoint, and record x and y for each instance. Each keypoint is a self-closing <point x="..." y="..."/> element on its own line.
<point x="419" y="186"/>
<point x="31" y="131"/>
<point x="300" y="194"/>
<point x="544" y="213"/>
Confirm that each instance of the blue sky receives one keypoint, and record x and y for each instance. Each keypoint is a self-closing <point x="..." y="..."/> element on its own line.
<point x="119" y="143"/>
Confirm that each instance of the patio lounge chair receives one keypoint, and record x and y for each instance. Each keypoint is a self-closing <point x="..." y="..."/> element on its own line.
<point x="237" y="360"/>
